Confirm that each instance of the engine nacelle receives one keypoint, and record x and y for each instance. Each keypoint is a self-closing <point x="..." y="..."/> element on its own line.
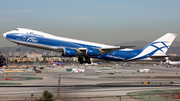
<point x="70" y="52"/>
<point x="92" y="51"/>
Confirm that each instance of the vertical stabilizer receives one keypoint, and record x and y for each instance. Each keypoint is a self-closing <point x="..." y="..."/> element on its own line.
<point x="52" y="62"/>
<point x="161" y="45"/>
<point x="167" y="60"/>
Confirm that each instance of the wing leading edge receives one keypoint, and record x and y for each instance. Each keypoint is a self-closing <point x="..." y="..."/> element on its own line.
<point x="83" y="51"/>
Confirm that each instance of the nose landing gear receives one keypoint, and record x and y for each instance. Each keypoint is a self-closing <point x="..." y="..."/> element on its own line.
<point x="18" y="49"/>
<point x="84" y="59"/>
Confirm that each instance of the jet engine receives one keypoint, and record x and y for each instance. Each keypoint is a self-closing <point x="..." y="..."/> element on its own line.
<point x="92" y="52"/>
<point x="69" y="52"/>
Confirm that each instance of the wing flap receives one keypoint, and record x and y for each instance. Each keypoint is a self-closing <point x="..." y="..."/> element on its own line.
<point x="108" y="50"/>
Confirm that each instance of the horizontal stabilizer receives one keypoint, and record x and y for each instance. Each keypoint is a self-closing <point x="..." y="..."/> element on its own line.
<point x="158" y="57"/>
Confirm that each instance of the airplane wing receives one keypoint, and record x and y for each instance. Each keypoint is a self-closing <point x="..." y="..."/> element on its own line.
<point x="108" y="50"/>
<point x="61" y="49"/>
<point x="101" y="50"/>
<point x="104" y="50"/>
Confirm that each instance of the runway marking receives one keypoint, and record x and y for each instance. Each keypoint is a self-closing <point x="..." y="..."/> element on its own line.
<point x="61" y="83"/>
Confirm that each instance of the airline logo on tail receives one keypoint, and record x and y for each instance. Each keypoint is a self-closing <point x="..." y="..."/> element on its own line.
<point x="167" y="60"/>
<point x="157" y="48"/>
<point x="52" y="62"/>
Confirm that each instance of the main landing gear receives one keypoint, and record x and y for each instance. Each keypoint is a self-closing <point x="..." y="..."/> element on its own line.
<point x="84" y="59"/>
<point x="18" y="49"/>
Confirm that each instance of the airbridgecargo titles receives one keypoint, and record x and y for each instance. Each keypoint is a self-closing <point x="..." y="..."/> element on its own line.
<point x="85" y="50"/>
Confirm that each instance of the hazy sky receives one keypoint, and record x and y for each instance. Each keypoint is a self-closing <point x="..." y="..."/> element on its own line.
<point x="102" y="21"/>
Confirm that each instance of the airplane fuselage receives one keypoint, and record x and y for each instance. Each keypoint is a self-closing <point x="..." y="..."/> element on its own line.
<point x="51" y="42"/>
<point x="174" y="62"/>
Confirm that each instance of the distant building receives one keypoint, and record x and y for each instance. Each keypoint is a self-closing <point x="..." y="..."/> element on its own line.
<point x="172" y="54"/>
<point x="17" y="54"/>
<point x="26" y="53"/>
<point x="44" y="54"/>
<point x="17" y="60"/>
<point x="34" y="55"/>
<point x="41" y="59"/>
<point x="52" y="53"/>
<point x="10" y="54"/>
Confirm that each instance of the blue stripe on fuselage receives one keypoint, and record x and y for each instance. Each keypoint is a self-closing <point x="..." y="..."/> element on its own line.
<point x="120" y="55"/>
<point x="158" y="48"/>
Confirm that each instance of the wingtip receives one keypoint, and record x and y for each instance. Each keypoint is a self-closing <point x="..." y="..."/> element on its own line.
<point x="172" y="34"/>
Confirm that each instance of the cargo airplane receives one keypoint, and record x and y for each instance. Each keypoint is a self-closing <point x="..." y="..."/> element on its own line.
<point x="85" y="50"/>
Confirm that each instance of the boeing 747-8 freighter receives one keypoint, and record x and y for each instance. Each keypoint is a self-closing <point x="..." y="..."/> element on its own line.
<point x="85" y="50"/>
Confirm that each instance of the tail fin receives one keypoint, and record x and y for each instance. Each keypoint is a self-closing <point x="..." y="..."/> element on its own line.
<point x="160" y="46"/>
<point x="52" y="62"/>
<point x="167" y="60"/>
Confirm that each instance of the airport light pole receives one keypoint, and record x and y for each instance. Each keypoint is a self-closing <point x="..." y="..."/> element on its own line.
<point x="119" y="98"/>
<point x="32" y="97"/>
<point x="58" y="86"/>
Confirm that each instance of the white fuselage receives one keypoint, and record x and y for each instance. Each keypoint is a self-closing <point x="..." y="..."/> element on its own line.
<point x="173" y="62"/>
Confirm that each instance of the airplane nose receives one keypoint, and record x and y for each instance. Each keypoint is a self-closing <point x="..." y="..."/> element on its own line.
<point x="4" y="34"/>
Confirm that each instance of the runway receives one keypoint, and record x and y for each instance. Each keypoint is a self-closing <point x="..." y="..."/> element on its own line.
<point x="91" y="85"/>
<point x="88" y="86"/>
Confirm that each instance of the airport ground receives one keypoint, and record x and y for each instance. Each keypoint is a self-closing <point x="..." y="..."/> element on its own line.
<point x="91" y="86"/>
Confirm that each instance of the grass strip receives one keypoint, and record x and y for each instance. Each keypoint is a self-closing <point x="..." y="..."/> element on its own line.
<point x="150" y="95"/>
<point x="10" y="83"/>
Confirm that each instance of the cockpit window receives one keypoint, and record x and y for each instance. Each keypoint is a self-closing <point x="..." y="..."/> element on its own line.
<point x="16" y="29"/>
